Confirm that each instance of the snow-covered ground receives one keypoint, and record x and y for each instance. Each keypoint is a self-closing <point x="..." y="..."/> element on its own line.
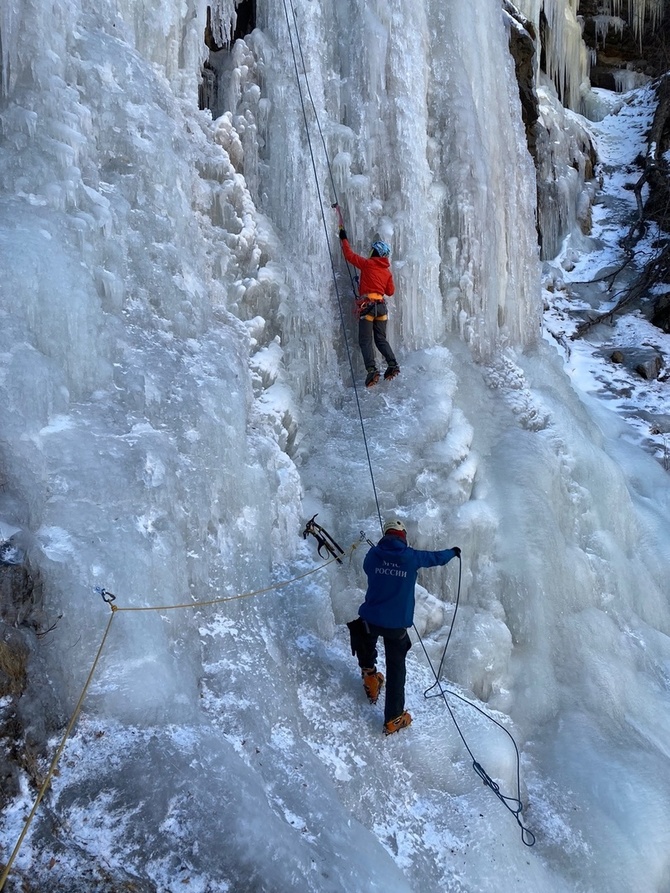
<point x="591" y="275"/>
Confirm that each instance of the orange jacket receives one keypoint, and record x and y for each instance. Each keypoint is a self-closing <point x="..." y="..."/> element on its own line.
<point x="376" y="276"/>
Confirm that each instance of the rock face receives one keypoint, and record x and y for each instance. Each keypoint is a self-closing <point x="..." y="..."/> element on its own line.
<point x="522" y="44"/>
<point x="655" y="276"/>
<point x="617" y="49"/>
<point x="661" y="313"/>
<point x="23" y="704"/>
<point x="19" y="593"/>
<point x="562" y="150"/>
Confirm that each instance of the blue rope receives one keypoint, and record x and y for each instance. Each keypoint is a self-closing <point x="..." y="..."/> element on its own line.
<point x="513" y="804"/>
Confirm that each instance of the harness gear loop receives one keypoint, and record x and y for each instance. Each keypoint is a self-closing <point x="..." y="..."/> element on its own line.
<point x="324" y="540"/>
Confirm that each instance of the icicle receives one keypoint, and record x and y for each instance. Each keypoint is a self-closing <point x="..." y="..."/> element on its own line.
<point x="637" y="13"/>
<point x="223" y="21"/>
<point x="626" y="79"/>
<point x="642" y="11"/>
<point x="567" y="60"/>
<point x="9" y="21"/>
<point x="602" y="25"/>
<point x="16" y="118"/>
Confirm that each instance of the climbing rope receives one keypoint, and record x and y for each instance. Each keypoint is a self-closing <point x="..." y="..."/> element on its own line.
<point x="527" y="836"/>
<point x="109" y="598"/>
<point x="513" y="804"/>
<point x="325" y="223"/>
<point x="56" y="758"/>
<point x="336" y="204"/>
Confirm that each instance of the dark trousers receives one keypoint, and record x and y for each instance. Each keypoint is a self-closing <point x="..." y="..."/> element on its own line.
<point x="397" y="643"/>
<point x="367" y="330"/>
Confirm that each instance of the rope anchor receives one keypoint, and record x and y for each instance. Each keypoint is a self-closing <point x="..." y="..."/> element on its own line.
<point x="107" y="596"/>
<point x="324" y="540"/>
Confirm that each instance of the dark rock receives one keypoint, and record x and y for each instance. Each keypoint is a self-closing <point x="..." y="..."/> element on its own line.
<point x="644" y="361"/>
<point x="522" y="45"/>
<point x="603" y="78"/>
<point x="650" y="369"/>
<point x="661" y="314"/>
<point x="19" y="594"/>
<point x="27" y="704"/>
<point x="620" y="49"/>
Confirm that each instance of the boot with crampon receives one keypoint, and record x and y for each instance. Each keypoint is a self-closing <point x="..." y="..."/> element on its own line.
<point x="372" y="378"/>
<point x="400" y="722"/>
<point x="372" y="683"/>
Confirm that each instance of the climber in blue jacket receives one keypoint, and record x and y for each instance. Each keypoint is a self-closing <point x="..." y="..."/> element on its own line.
<point x="391" y="568"/>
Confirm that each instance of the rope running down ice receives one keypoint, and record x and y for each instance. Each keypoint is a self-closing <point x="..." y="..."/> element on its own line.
<point x="513" y="804"/>
<point x="110" y="598"/>
<point x="526" y="835"/>
<point x="325" y="224"/>
<point x="56" y="758"/>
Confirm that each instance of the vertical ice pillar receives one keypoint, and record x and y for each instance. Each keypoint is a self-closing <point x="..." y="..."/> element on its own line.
<point x="562" y="54"/>
<point x="419" y="107"/>
<point x="488" y="242"/>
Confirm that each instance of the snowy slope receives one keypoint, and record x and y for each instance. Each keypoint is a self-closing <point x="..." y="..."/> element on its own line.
<point x="179" y="401"/>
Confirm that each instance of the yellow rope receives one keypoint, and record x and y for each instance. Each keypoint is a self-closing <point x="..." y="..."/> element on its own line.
<point x="57" y="756"/>
<point x="115" y="609"/>
<point x="227" y="598"/>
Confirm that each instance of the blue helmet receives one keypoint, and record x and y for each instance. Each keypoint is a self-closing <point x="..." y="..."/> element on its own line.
<point x="383" y="249"/>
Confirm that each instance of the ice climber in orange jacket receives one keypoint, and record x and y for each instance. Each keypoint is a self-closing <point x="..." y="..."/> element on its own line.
<point x="376" y="283"/>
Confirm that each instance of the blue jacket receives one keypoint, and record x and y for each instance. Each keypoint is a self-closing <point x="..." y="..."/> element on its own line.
<point x="391" y="568"/>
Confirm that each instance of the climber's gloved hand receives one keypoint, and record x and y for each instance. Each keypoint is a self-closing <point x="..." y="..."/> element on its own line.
<point x="456" y="551"/>
<point x="343" y="233"/>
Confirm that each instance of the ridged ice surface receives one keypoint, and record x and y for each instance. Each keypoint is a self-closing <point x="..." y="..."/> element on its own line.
<point x="178" y="400"/>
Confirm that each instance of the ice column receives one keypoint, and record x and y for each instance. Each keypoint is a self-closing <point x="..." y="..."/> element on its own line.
<point x="567" y="61"/>
<point x="397" y="87"/>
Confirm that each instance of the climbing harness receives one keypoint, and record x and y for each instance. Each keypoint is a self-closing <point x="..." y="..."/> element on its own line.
<point x="324" y="540"/>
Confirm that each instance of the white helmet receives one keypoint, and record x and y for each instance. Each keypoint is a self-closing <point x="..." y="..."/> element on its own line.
<point x="395" y="524"/>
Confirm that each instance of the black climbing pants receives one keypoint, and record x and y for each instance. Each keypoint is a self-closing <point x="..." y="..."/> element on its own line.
<point x="367" y="330"/>
<point x="397" y="643"/>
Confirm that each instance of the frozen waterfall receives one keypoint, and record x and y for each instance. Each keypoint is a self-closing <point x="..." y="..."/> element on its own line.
<point x="178" y="401"/>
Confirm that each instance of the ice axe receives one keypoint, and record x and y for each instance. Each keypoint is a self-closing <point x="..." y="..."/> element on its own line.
<point x="324" y="540"/>
<point x="340" y="218"/>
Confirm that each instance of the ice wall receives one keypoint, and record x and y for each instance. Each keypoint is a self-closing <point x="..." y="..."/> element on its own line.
<point x="566" y="61"/>
<point x="177" y="394"/>
<point x="131" y="424"/>
<point x="415" y="126"/>
<point x="566" y="159"/>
